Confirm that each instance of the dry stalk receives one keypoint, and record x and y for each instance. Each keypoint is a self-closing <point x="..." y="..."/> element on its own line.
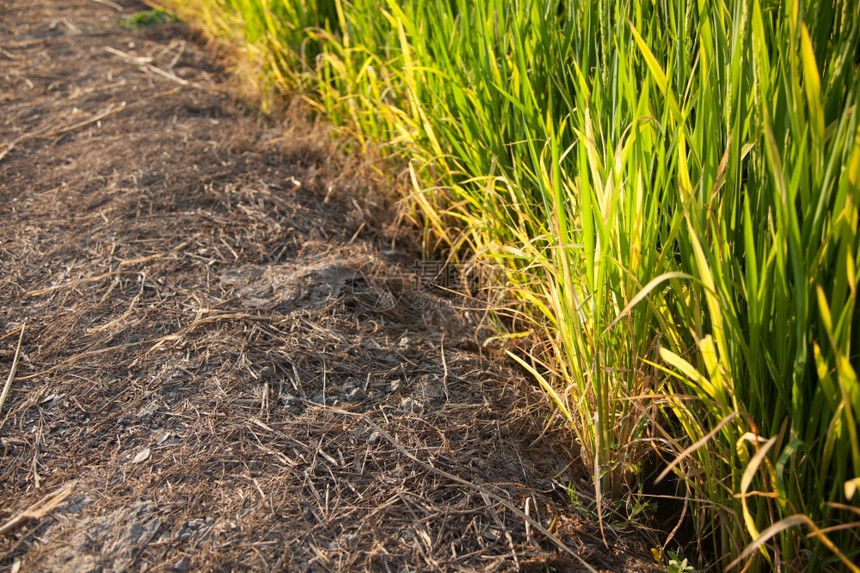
<point x="38" y="510"/>
<point x="12" y="372"/>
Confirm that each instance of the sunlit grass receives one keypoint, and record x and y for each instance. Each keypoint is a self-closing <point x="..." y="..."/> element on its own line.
<point x="673" y="189"/>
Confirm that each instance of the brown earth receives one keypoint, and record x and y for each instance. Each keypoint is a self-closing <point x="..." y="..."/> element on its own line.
<point x="229" y="360"/>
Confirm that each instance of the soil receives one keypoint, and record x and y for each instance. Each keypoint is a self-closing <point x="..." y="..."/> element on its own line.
<point x="230" y="360"/>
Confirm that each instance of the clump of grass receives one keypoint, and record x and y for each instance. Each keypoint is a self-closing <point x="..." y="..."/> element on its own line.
<point x="672" y="188"/>
<point x="278" y="39"/>
<point x="146" y="19"/>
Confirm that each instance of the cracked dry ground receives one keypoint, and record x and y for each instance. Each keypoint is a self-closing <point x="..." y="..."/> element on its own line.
<point x="223" y="365"/>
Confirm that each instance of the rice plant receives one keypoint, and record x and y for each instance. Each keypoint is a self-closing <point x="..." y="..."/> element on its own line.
<point x="672" y="187"/>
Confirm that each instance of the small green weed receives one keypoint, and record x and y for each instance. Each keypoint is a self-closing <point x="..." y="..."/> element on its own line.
<point x="146" y="19"/>
<point x="678" y="564"/>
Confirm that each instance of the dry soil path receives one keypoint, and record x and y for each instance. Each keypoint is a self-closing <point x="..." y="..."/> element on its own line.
<point x="222" y="366"/>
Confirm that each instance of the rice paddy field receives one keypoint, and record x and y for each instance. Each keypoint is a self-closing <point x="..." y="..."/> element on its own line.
<point x="671" y="188"/>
